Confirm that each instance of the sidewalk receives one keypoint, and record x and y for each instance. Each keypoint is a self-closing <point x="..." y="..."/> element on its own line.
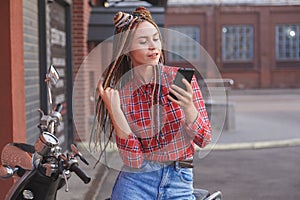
<point x="264" y="119"/>
<point x="264" y="116"/>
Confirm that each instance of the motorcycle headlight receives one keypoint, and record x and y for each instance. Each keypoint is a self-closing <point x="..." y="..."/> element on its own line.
<point x="45" y="143"/>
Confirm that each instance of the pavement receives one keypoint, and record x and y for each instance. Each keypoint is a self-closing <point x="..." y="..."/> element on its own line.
<point x="263" y="119"/>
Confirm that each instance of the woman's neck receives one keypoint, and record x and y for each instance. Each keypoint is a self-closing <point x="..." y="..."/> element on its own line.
<point x="144" y="73"/>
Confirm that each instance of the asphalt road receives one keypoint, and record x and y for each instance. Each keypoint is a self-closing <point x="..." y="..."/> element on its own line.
<point x="246" y="174"/>
<point x="266" y="116"/>
<point x="259" y="174"/>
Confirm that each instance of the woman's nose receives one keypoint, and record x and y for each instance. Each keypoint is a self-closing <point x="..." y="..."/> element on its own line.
<point x="151" y="45"/>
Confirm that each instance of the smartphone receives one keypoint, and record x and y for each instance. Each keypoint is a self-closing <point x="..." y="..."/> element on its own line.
<point x="186" y="73"/>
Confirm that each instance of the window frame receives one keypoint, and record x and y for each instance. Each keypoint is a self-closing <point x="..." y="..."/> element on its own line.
<point x="183" y="45"/>
<point x="287" y="40"/>
<point x="250" y="52"/>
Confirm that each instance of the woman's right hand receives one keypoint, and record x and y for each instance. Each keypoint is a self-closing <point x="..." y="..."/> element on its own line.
<point x="110" y="97"/>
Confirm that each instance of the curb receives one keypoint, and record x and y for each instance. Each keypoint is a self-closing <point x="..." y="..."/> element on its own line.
<point x="254" y="145"/>
<point x="290" y="91"/>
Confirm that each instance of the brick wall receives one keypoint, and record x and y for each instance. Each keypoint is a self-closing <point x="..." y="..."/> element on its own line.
<point x="80" y="20"/>
<point x="12" y="101"/>
<point x="264" y="71"/>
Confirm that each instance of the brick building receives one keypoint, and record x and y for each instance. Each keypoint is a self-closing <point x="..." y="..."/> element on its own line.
<point x="255" y="43"/>
<point x="35" y="34"/>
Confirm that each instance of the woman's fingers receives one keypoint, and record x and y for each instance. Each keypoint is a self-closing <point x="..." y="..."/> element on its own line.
<point x="188" y="86"/>
<point x="175" y="93"/>
<point x="102" y="90"/>
<point x="185" y="93"/>
<point x="177" y="90"/>
<point x="185" y="97"/>
<point x="100" y="87"/>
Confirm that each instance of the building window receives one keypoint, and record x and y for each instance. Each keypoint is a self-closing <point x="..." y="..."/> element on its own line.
<point x="287" y="42"/>
<point x="184" y="46"/>
<point x="237" y="43"/>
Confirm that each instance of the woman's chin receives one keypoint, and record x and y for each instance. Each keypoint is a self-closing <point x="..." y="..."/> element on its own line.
<point x="154" y="62"/>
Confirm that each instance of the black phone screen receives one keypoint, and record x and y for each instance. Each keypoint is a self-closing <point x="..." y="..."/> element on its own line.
<point x="186" y="73"/>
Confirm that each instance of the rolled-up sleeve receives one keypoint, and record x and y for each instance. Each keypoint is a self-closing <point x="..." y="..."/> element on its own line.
<point x="130" y="150"/>
<point x="200" y="130"/>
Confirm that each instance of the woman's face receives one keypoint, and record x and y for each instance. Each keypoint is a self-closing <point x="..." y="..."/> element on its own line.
<point x="145" y="48"/>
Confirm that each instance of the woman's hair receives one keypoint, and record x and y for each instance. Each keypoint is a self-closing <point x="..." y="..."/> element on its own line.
<point x="125" y="26"/>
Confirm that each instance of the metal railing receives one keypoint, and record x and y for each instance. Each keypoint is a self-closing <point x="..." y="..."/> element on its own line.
<point x="214" y="96"/>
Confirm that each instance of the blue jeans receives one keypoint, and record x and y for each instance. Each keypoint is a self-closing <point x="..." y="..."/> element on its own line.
<point x="154" y="181"/>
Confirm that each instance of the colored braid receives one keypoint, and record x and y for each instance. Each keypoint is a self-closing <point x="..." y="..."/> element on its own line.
<point x="116" y="70"/>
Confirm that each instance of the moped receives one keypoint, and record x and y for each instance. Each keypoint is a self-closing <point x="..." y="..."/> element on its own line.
<point x="40" y="170"/>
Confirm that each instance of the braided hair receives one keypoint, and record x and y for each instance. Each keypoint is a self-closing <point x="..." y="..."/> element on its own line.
<point x="125" y="26"/>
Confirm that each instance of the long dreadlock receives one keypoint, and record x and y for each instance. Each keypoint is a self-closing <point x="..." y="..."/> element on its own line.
<point x="125" y="26"/>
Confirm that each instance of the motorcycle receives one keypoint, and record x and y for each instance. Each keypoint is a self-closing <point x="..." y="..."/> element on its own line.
<point x="40" y="170"/>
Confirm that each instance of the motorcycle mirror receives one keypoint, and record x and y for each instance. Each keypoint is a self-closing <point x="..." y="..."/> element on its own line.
<point x="52" y="75"/>
<point x="51" y="79"/>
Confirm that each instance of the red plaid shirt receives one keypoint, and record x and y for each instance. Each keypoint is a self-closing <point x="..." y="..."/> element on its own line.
<point x="172" y="139"/>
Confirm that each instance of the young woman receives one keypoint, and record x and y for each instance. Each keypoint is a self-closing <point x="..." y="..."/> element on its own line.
<point x="155" y="133"/>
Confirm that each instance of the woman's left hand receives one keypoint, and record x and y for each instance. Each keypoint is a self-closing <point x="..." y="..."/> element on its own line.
<point x="185" y="100"/>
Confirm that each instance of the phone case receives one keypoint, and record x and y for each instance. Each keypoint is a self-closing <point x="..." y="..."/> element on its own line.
<point x="186" y="73"/>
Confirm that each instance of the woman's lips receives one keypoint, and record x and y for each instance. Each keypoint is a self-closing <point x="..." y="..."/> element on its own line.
<point x="153" y="55"/>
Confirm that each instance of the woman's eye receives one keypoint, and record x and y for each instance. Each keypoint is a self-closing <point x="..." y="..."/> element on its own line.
<point x="155" y="39"/>
<point x="143" y="42"/>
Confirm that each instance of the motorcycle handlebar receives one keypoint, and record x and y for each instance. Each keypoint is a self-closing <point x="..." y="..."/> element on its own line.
<point x="6" y="172"/>
<point x="3" y="171"/>
<point x="80" y="173"/>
